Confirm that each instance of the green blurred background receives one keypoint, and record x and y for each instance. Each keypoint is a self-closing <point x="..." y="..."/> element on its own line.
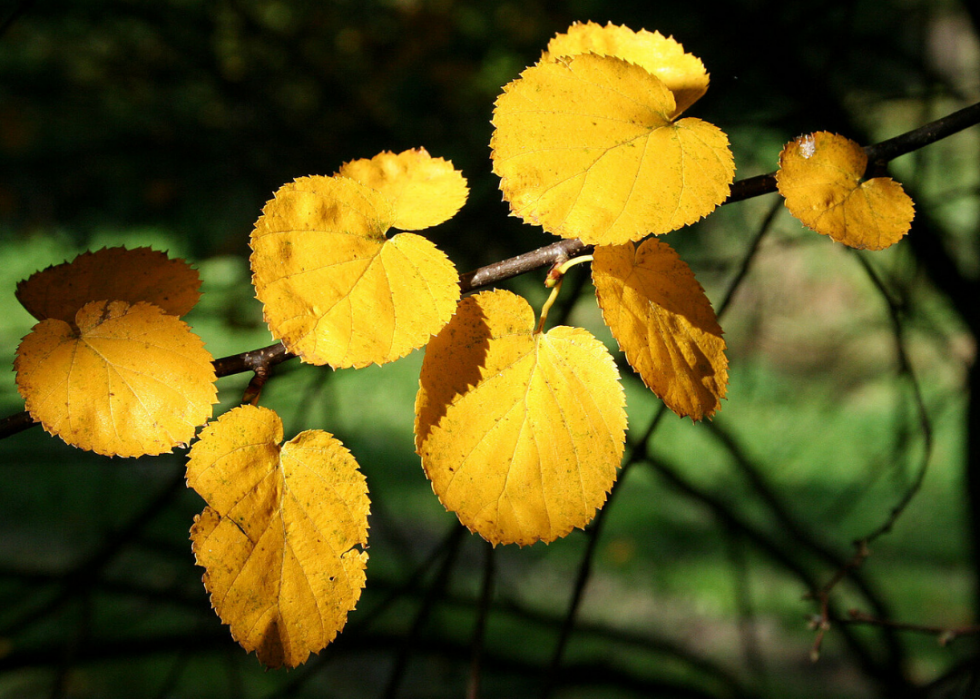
<point x="170" y="123"/>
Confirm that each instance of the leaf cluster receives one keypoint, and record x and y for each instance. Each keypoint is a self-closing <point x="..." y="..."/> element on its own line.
<point x="520" y="430"/>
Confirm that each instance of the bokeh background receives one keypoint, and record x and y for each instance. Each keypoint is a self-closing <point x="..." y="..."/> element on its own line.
<point x="170" y="123"/>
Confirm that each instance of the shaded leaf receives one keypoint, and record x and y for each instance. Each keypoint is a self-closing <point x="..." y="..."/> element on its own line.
<point x="120" y="380"/>
<point x="585" y="147"/>
<point x="278" y="537"/>
<point x="520" y="433"/>
<point x="820" y="178"/>
<point x="682" y="73"/>
<point x="111" y="274"/>
<point x="423" y="191"/>
<point x="335" y="290"/>
<point x="664" y="323"/>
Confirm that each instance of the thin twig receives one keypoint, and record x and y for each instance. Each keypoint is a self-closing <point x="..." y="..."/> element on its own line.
<point x="479" y="633"/>
<point x="877" y="153"/>
<point x="588" y="556"/>
<point x="360" y="626"/>
<point x="822" y="621"/>
<point x="944" y="634"/>
<point x="526" y="262"/>
<point x="747" y="622"/>
<point x="925" y="424"/>
<point x="797" y="532"/>
<point x="785" y="556"/>
<point x="743" y="268"/>
<point x="435" y="591"/>
<point x="87" y="572"/>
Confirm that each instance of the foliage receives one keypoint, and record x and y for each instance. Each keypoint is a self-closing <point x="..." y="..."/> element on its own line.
<point x="821" y="177"/>
<point x="277" y="535"/>
<point x="520" y="431"/>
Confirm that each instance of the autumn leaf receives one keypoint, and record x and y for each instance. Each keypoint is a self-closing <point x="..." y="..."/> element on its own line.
<point x="521" y="433"/>
<point x="585" y="147"/>
<point x="111" y="274"/>
<point x="664" y="323"/>
<point x="336" y="290"/>
<point x="277" y="539"/>
<point x="423" y="191"/>
<point x="120" y="380"/>
<point x="682" y="73"/>
<point x="820" y="178"/>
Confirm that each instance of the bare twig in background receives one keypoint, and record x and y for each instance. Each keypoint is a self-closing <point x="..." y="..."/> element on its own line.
<point x="944" y="634"/>
<point x="435" y="592"/>
<point x="479" y="631"/>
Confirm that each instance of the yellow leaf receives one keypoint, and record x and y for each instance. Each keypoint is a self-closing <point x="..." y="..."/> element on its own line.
<point x="520" y="433"/>
<point x="120" y="380"/>
<point x="585" y="147"/>
<point x="682" y="73"/>
<point x="277" y="538"/>
<point x="664" y="323"/>
<point x="111" y="274"/>
<point x="820" y="178"/>
<point x="423" y="191"/>
<point x="335" y="290"/>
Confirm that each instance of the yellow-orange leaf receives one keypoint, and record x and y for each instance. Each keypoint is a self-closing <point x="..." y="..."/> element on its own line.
<point x="423" y="191"/>
<point x="278" y="537"/>
<point x="683" y="73"/>
<point x="120" y="380"/>
<point x="664" y="323"/>
<point x="335" y="290"/>
<point x="111" y="274"/>
<point x="520" y="433"/>
<point x="820" y="178"/>
<point x="585" y="147"/>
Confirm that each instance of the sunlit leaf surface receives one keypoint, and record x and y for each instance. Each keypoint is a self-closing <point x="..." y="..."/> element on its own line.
<point x="423" y="191"/>
<point x="120" y="380"/>
<point x="278" y="538"/>
<point x="336" y="290"/>
<point x="820" y="178"/>
<point x="520" y="433"/>
<point x="682" y="73"/>
<point x="664" y="323"/>
<point x="585" y="147"/>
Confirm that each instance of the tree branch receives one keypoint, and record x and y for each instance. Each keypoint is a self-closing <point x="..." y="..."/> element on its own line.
<point x="944" y="635"/>
<point x="564" y="249"/>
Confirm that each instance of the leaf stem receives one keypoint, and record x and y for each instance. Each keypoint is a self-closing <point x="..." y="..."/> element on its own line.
<point x="561" y="267"/>
<point x="547" y="306"/>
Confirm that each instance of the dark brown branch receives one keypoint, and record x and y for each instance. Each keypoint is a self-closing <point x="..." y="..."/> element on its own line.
<point x="479" y="632"/>
<point x="944" y="635"/>
<point x="435" y="592"/>
<point x="822" y="622"/>
<point x="925" y="135"/>
<point x="516" y="266"/>
<point x="592" y="674"/>
<point x="18" y="422"/>
<point x="878" y="153"/>
<point x="250" y="361"/>
<point x="925" y="424"/>
<point x="549" y="254"/>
